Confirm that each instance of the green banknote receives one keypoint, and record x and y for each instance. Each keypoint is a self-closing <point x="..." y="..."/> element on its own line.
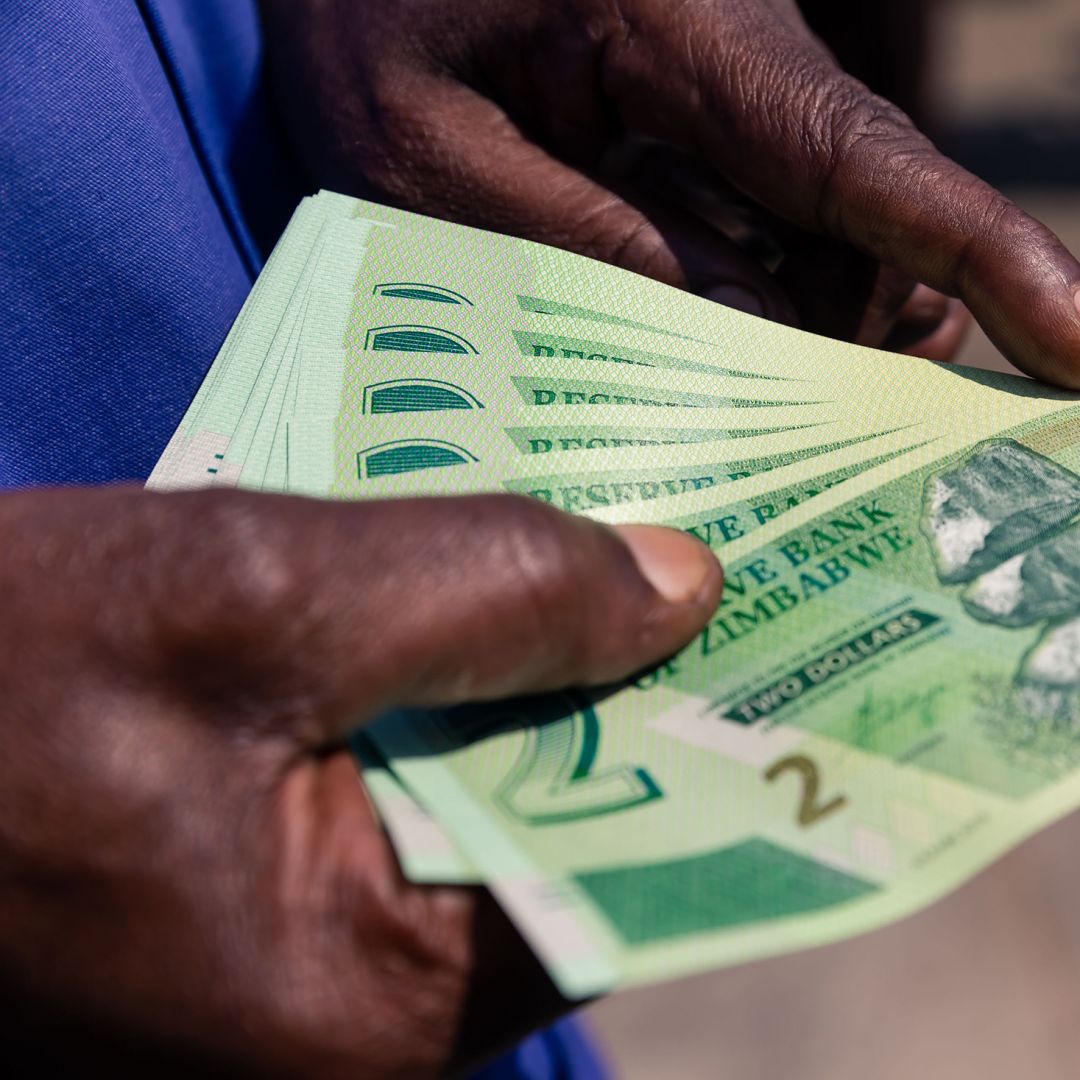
<point x="335" y="455"/>
<point x="303" y="296"/>
<point x="887" y="699"/>
<point x="426" y="851"/>
<point x="607" y="480"/>
<point x="620" y="317"/>
<point x="343" y="323"/>
<point x="315" y="297"/>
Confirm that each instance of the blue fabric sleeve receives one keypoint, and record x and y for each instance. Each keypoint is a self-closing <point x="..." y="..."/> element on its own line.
<point x="118" y="274"/>
<point x="562" y="1052"/>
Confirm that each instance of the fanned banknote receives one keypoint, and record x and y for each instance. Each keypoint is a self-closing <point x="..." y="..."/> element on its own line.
<point x="342" y="291"/>
<point x="889" y="694"/>
<point x="887" y="699"/>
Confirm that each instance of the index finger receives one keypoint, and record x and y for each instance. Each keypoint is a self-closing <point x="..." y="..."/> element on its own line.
<point x="769" y="108"/>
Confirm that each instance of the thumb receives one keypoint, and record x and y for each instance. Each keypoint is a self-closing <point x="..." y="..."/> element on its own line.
<point x="338" y="611"/>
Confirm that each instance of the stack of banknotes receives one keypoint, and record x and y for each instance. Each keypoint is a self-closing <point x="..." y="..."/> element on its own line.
<point x="889" y="695"/>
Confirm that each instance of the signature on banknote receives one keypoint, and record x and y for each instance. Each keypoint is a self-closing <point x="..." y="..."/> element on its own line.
<point x="875" y="713"/>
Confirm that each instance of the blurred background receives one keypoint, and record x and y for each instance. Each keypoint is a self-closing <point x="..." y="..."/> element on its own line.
<point x="985" y="984"/>
<point x="1003" y="86"/>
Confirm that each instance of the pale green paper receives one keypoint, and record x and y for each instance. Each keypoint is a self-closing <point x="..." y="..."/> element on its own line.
<point x="326" y="458"/>
<point x="426" y="850"/>
<point x="532" y="288"/>
<point x="225" y="413"/>
<point x="610" y="481"/>
<point x="942" y="759"/>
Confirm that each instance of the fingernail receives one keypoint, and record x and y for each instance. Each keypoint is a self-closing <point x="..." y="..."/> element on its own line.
<point x="736" y="296"/>
<point x="676" y="565"/>
<point x="1076" y="300"/>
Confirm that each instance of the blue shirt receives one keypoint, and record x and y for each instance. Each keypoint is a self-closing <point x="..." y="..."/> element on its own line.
<point x="143" y="178"/>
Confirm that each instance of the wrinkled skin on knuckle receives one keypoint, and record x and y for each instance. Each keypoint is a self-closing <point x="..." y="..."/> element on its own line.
<point x="726" y="62"/>
<point x="632" y="67"/>
<point x="403" y="141"/>
<point x="217" y="609"/>
<point x="999" y="234"/>
<point x="959" y="229"/>
<point x="379" y="76"/>
<point x="255" y="552"/>
<point x="870" y="150"/>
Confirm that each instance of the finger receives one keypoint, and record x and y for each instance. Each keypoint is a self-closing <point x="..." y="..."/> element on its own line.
<point x="327" y="613"/>
<point x="922" y="313"/>
<point x="841" y="293"/>
<point x="830" y="285"/>
<point x="889" y="299"/>
<point x="478" y="168"/>
<point x="933" y="327"/>
<point x="833" y="288"/>
<point x="829" y="156"/>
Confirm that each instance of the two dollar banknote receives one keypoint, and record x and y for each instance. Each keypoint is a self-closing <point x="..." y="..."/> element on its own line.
<point x="889" y="695"/>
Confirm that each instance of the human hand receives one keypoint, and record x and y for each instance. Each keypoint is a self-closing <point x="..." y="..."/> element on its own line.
<point x="192" y="875"/>
<point x="510" y="114"/>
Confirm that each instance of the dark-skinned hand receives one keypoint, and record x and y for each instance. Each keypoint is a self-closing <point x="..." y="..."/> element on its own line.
<point x="515" y="115"/>
<point x="192" y="879"/>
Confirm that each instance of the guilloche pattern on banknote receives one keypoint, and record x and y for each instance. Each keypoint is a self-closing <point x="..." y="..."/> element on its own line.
<point x="887" y="699"/>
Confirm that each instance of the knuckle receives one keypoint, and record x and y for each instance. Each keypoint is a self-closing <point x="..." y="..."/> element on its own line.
<point x="644" y="250"/>
<point x="606" y="230"/>
<point x="391" y="133"/>
<point x="202" y="584"/>
<point x="996" y="230"/>
<point x="234" y="619"/>
<point x="865" y="145"/>
<point x="255" y="565"/>
<point x="892" y="290"/>
<point x="995" y="218"/>
<point x="228" y="541"/>
<point x="537" y="540"/>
